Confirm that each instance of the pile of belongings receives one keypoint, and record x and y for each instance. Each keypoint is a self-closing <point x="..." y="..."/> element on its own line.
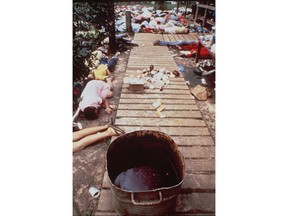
<point x="152" y="79"/>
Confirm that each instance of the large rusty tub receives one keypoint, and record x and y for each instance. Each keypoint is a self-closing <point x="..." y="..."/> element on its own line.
<point x="146" y="171"/>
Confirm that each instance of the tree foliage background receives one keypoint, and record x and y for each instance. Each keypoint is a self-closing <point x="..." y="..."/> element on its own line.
<point x="89" y="29"/>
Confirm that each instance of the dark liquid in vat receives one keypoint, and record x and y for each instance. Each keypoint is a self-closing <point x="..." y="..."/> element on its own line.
<point x="154" y="172"/>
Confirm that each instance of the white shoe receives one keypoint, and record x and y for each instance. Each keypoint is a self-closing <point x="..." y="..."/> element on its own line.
<point x="77" y="126"/>
<point x="203" y="81"/>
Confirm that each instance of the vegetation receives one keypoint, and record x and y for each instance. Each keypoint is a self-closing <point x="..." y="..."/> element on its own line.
<point x="89" y="29"/>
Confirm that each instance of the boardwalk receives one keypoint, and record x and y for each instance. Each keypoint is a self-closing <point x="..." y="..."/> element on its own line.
<point x="183" y="122"/>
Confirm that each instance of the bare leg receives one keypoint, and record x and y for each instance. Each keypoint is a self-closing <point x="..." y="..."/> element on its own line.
<point x="88" y="131"/>
<point x="79" y="145"/>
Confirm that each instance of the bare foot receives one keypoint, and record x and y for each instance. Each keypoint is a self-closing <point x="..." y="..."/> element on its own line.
<point x="116" y="131"/>
<point x="112" y="106"/>
<point x="111" y="86"/>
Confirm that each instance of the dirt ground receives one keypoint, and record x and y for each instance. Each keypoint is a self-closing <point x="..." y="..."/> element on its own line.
<point x="89" y="163"/>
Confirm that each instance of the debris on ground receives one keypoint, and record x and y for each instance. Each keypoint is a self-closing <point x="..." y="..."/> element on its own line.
<point x="201" y="93"/>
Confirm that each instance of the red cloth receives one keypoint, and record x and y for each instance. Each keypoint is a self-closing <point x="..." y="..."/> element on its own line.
<point x="182" y="20"/>
<point x="193" y="48"/>
<point x="147" y="30"/>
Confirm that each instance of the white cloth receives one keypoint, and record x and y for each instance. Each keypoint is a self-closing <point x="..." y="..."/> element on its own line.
<point x="93" y="94"/>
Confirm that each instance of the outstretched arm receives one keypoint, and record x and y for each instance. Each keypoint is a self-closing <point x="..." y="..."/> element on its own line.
<point x="108" y="72"/>
<point x="107" y="107"/>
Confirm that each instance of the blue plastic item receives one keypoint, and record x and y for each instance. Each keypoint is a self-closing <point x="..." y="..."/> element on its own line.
<point x="181" y="69"/>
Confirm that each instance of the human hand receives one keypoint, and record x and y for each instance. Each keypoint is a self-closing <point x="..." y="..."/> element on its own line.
<point x="108" y="110"/>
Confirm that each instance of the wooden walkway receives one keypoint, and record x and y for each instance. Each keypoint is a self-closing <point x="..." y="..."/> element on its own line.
<point x="183" y="122"/>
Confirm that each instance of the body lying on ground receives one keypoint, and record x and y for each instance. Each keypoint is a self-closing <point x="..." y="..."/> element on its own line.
<point x="190" y="46"/>
<point x="104" y="70"/>
<point x="93" y="97"/>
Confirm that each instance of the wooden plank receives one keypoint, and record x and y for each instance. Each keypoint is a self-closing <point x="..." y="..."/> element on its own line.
<point x="172" y="131"/>
<point x="170" y="86"/>
<point x="162" y="59"/>
<point x="183" y="87"/>
<point x="155" y="50"/>
<point x="167" y="113"/>
<point x="177" y="81"/>
<point x="144" y="36"/>
<point x="179" y="214"/>
<point x="193" y="140"/>
<point x="199" y="181"/>
<point x="199" y="165"/>
<point x="150" y="107"/>
<point x="171" y="38"/>
<point x="173" y="80"/>
<point x="151" y="49"/>
<point x="139" y="62"/>
<point x="133" y="69"/>
<point x="182" y="36"/>
<point x="197" y="151"/>
<point x="189" y="36"/>
<point x="186" y="38"/>
<point x="156" y="96"/>
<point x="140" y="65"/>
<point x="143" y="66"/>
<point x="192" y="36"/>
<point x="177" y="37"/>
<point x="157" y="91"/>
<point x="162" y="54"/>
<point x="150" y="54"/>
<point x="154" y="62"/>
<point x="150" y="61"/>
<point x="165" y="37"/>
<point x="150" y="101"/>
<point x="174" y="122"/>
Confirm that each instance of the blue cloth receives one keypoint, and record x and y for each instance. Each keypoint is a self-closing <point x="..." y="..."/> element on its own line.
<point x="181" y="69"/>
<point x="111" y="63"/>
<point x="174" y="43"/>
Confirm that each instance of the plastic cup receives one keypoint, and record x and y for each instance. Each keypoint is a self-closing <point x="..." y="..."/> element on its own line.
<point x="94" y="192"/>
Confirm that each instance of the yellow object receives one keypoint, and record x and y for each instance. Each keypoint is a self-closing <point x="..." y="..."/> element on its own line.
<point x="161" y="107"/>
<point x="100" y="73"/>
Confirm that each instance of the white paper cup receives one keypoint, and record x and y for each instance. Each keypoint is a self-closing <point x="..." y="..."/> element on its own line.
<point x="94" y="192"/>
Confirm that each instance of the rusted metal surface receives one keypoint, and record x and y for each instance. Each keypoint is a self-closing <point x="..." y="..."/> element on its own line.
<point x="140" y="148"/>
